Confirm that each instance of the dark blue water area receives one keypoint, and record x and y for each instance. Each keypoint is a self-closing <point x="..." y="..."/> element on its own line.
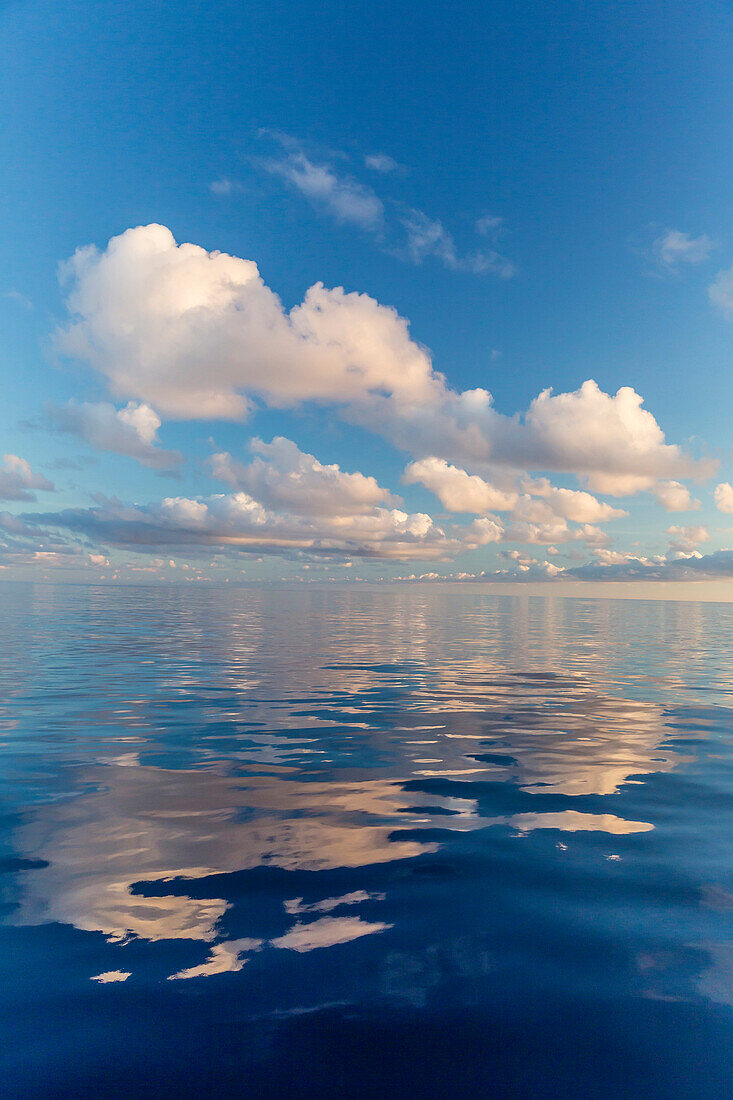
<point x="409" y="841"/>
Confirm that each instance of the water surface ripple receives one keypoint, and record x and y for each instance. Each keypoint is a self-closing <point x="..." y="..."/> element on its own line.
<point x="364" y="842"/>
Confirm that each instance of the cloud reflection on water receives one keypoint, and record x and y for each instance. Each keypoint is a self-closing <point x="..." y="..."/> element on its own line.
<point x="190" y="754"/>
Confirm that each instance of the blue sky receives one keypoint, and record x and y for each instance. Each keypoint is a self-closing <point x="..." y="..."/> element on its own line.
<point x="542" y="191"/>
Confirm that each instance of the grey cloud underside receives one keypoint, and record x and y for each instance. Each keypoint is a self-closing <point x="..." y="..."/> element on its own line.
<point x="18" y="482"/>
<point x="130" y="431"/>
<point x="41" y="536"/>
<point x="22" y="543"/>
<point x="706" y="566"/>
<point x="145" y="530"/>
<point x="717" y="566"/>
<point x="288" y="503"/>
<point x="351" y="526"/>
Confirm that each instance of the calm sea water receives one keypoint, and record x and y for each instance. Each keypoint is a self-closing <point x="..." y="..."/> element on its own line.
<point x="364" y="843"/>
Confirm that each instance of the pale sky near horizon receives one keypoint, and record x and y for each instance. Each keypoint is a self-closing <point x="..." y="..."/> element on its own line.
<point x="368" y="291"/>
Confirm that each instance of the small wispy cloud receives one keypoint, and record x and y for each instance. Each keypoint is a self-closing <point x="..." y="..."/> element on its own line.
<point x="381" y="162"/>
<point x="404" y="232"/>
<point x="20" y="299"/>
<point x="429" y="237"/>
<point x="720" y="291"/>
<point x="489" y="225"/>
<point x="224" y="186"/>
<point x="345" y="198"/>
<point x="77" y="464"/>
<point x="673" y="247"/>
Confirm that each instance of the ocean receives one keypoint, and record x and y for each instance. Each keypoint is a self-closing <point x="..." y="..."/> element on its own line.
<point x="364" y="842"/>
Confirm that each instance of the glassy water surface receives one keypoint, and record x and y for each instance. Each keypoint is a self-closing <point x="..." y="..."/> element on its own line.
<point x="410" y="842"/>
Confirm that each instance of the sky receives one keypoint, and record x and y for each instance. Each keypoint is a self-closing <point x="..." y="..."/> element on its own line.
<point x="367" y="292"/>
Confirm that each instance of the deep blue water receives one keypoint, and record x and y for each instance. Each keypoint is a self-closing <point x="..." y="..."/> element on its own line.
<point x="400" y="842"/>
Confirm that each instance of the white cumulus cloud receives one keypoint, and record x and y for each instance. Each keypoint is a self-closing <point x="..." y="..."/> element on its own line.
<point x="282" y="476"/>
<point x="675" y="496"/>
<point x="538" y="502"/>
<point x="197" y="334"/>
<point x="572" y="504"/>
<point x="456" y="489"/>
<point x="723" y="497"/>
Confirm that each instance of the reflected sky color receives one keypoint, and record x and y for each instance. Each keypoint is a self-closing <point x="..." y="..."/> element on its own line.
<point x="345" y="803"/>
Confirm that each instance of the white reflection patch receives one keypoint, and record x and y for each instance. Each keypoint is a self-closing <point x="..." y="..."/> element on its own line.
<point x="110" y="976"/>
<point x="225" y="958"/>
<point x="571" y="821"/>
<point x="327" y="932"/>
<point x="294" y="906"/>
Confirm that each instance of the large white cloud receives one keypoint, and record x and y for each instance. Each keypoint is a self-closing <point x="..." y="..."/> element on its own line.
<point x="198" y="334"/>
<point x="456" y="489"/>
<point x="612" y="440"/>
<point x="131" y="430"/>
<point x="608" y="440"/>
<point x="538" y="502"/>
<point x="572" y="504"/>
